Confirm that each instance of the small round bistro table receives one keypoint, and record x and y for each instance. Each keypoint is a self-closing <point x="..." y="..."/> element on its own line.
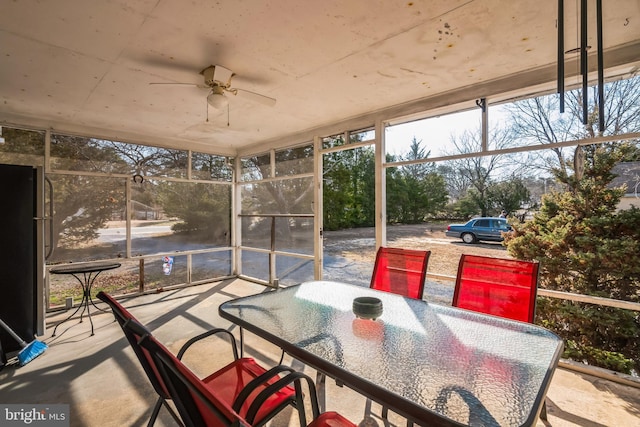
<point x="86" y="274"/>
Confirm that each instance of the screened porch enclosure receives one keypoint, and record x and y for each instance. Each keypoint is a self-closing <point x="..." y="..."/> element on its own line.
<point x="140" y="205"/>
<point x="276" y="216"/>
<point x="401" y="114"/>
<point x="269" y="217"/>
<point x="316" y="202"/>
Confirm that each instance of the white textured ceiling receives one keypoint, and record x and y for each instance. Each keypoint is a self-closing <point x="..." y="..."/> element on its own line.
<point x="84" y="66"/>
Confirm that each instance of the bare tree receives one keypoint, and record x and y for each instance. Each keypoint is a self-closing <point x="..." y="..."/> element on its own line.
<point x="538" y="121"/>
<point x="479" y="172"/>
<point x="621" y="108"/>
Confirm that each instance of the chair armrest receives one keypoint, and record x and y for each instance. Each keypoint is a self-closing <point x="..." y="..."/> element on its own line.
<point x="257" y="382"/>
<point x="294" y="378"/>
<point x="206" y="334"/>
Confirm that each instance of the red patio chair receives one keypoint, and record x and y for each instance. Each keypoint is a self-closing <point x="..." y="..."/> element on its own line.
<point x="400" y="271"/>
<point x="239" y="382"/>
<point x="201" y="405"/>
<point x="498" y="286"/>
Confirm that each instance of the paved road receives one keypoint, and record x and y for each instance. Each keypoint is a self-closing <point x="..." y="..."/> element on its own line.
<point x="293" y="270"/>
<point x="112" y="235"/>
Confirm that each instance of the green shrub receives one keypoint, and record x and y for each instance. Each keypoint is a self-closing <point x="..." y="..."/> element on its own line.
<point x="585" y="246"/>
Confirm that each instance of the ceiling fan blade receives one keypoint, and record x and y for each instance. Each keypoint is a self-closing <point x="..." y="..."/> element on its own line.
<point x="253" y="96"/>
<point x="181" y="84"/>
<point x="169" y="63"/>
<point x="205" y="49"/>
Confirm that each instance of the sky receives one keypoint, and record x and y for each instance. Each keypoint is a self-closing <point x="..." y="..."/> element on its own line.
<point x="435" y="133"/>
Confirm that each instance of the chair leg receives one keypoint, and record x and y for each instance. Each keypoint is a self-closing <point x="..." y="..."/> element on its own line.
<point x="155" y="412"/>
<point x="173" y="414"/>
<point x="543" y="412"/>
<point x="367" y="408"/>
<point x="384" y="414"/>
<point x="321" y="380"/>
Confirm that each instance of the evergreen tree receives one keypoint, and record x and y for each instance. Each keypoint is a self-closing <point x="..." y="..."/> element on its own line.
<point x="348" y="188"/>
<point x="203" y="209"/>
<point x="414" y="191"/>
<point x="585" y="246"/>
<point x="511" y="196"/>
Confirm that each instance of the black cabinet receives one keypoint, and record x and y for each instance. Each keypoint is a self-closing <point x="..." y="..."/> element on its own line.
<point x="18" y="254"/>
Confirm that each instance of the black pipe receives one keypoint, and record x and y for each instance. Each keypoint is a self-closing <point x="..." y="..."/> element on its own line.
<point x="583" y="60"/>
<point x="561" y="53"/>
<point x="600" y="67"/>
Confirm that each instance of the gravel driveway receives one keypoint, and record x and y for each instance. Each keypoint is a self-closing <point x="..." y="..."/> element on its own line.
<point x="349" y="254"/>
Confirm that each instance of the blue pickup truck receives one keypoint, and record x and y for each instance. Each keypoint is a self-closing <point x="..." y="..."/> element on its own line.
<point x="477" y="229"/>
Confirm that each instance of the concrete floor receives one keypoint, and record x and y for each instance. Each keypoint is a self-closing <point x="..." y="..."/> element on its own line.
<point x="99" y="377"/>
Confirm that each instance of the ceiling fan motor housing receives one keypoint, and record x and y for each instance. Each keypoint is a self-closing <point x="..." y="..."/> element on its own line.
<point x="218" y="80"/>
<point x="208" y="75"/>
<point x="217" y="76"/>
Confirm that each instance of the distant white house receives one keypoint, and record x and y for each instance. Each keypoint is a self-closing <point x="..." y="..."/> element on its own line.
<point x="628" y="173"/>
<point x="140" y="212"/>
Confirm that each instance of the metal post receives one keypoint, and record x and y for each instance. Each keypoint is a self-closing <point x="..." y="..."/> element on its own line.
<point x="141" y="275"/>
<point x="600" y="67"/>
<point x="272" y="256"/>
<point x="583" y="61"/>
<point x="561" y="53"/>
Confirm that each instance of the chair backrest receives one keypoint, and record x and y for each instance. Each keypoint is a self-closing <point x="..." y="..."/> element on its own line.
<point x="196" y="404"/>
<point x="497" y="286"/>
<point x="400" y="271"/>
<point x="124" y="317"/>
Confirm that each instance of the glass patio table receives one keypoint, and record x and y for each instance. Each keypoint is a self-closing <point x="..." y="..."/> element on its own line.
<point x="435" y="365"/>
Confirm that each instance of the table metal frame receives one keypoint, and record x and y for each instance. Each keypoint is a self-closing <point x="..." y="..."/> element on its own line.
<point x="89" y="272"/>
<point x="273" y="308"/>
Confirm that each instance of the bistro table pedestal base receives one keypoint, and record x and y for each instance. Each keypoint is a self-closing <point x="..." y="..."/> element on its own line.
<point x="89" y="272"/>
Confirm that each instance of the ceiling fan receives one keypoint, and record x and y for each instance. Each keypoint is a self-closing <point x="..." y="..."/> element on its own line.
<point x="218" y="80"/>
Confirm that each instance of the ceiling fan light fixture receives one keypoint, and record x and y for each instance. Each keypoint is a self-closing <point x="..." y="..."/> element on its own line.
<point x="217" y="100"/>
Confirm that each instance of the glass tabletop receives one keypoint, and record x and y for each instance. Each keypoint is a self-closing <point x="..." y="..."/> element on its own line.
<point x="428" y="362"/>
